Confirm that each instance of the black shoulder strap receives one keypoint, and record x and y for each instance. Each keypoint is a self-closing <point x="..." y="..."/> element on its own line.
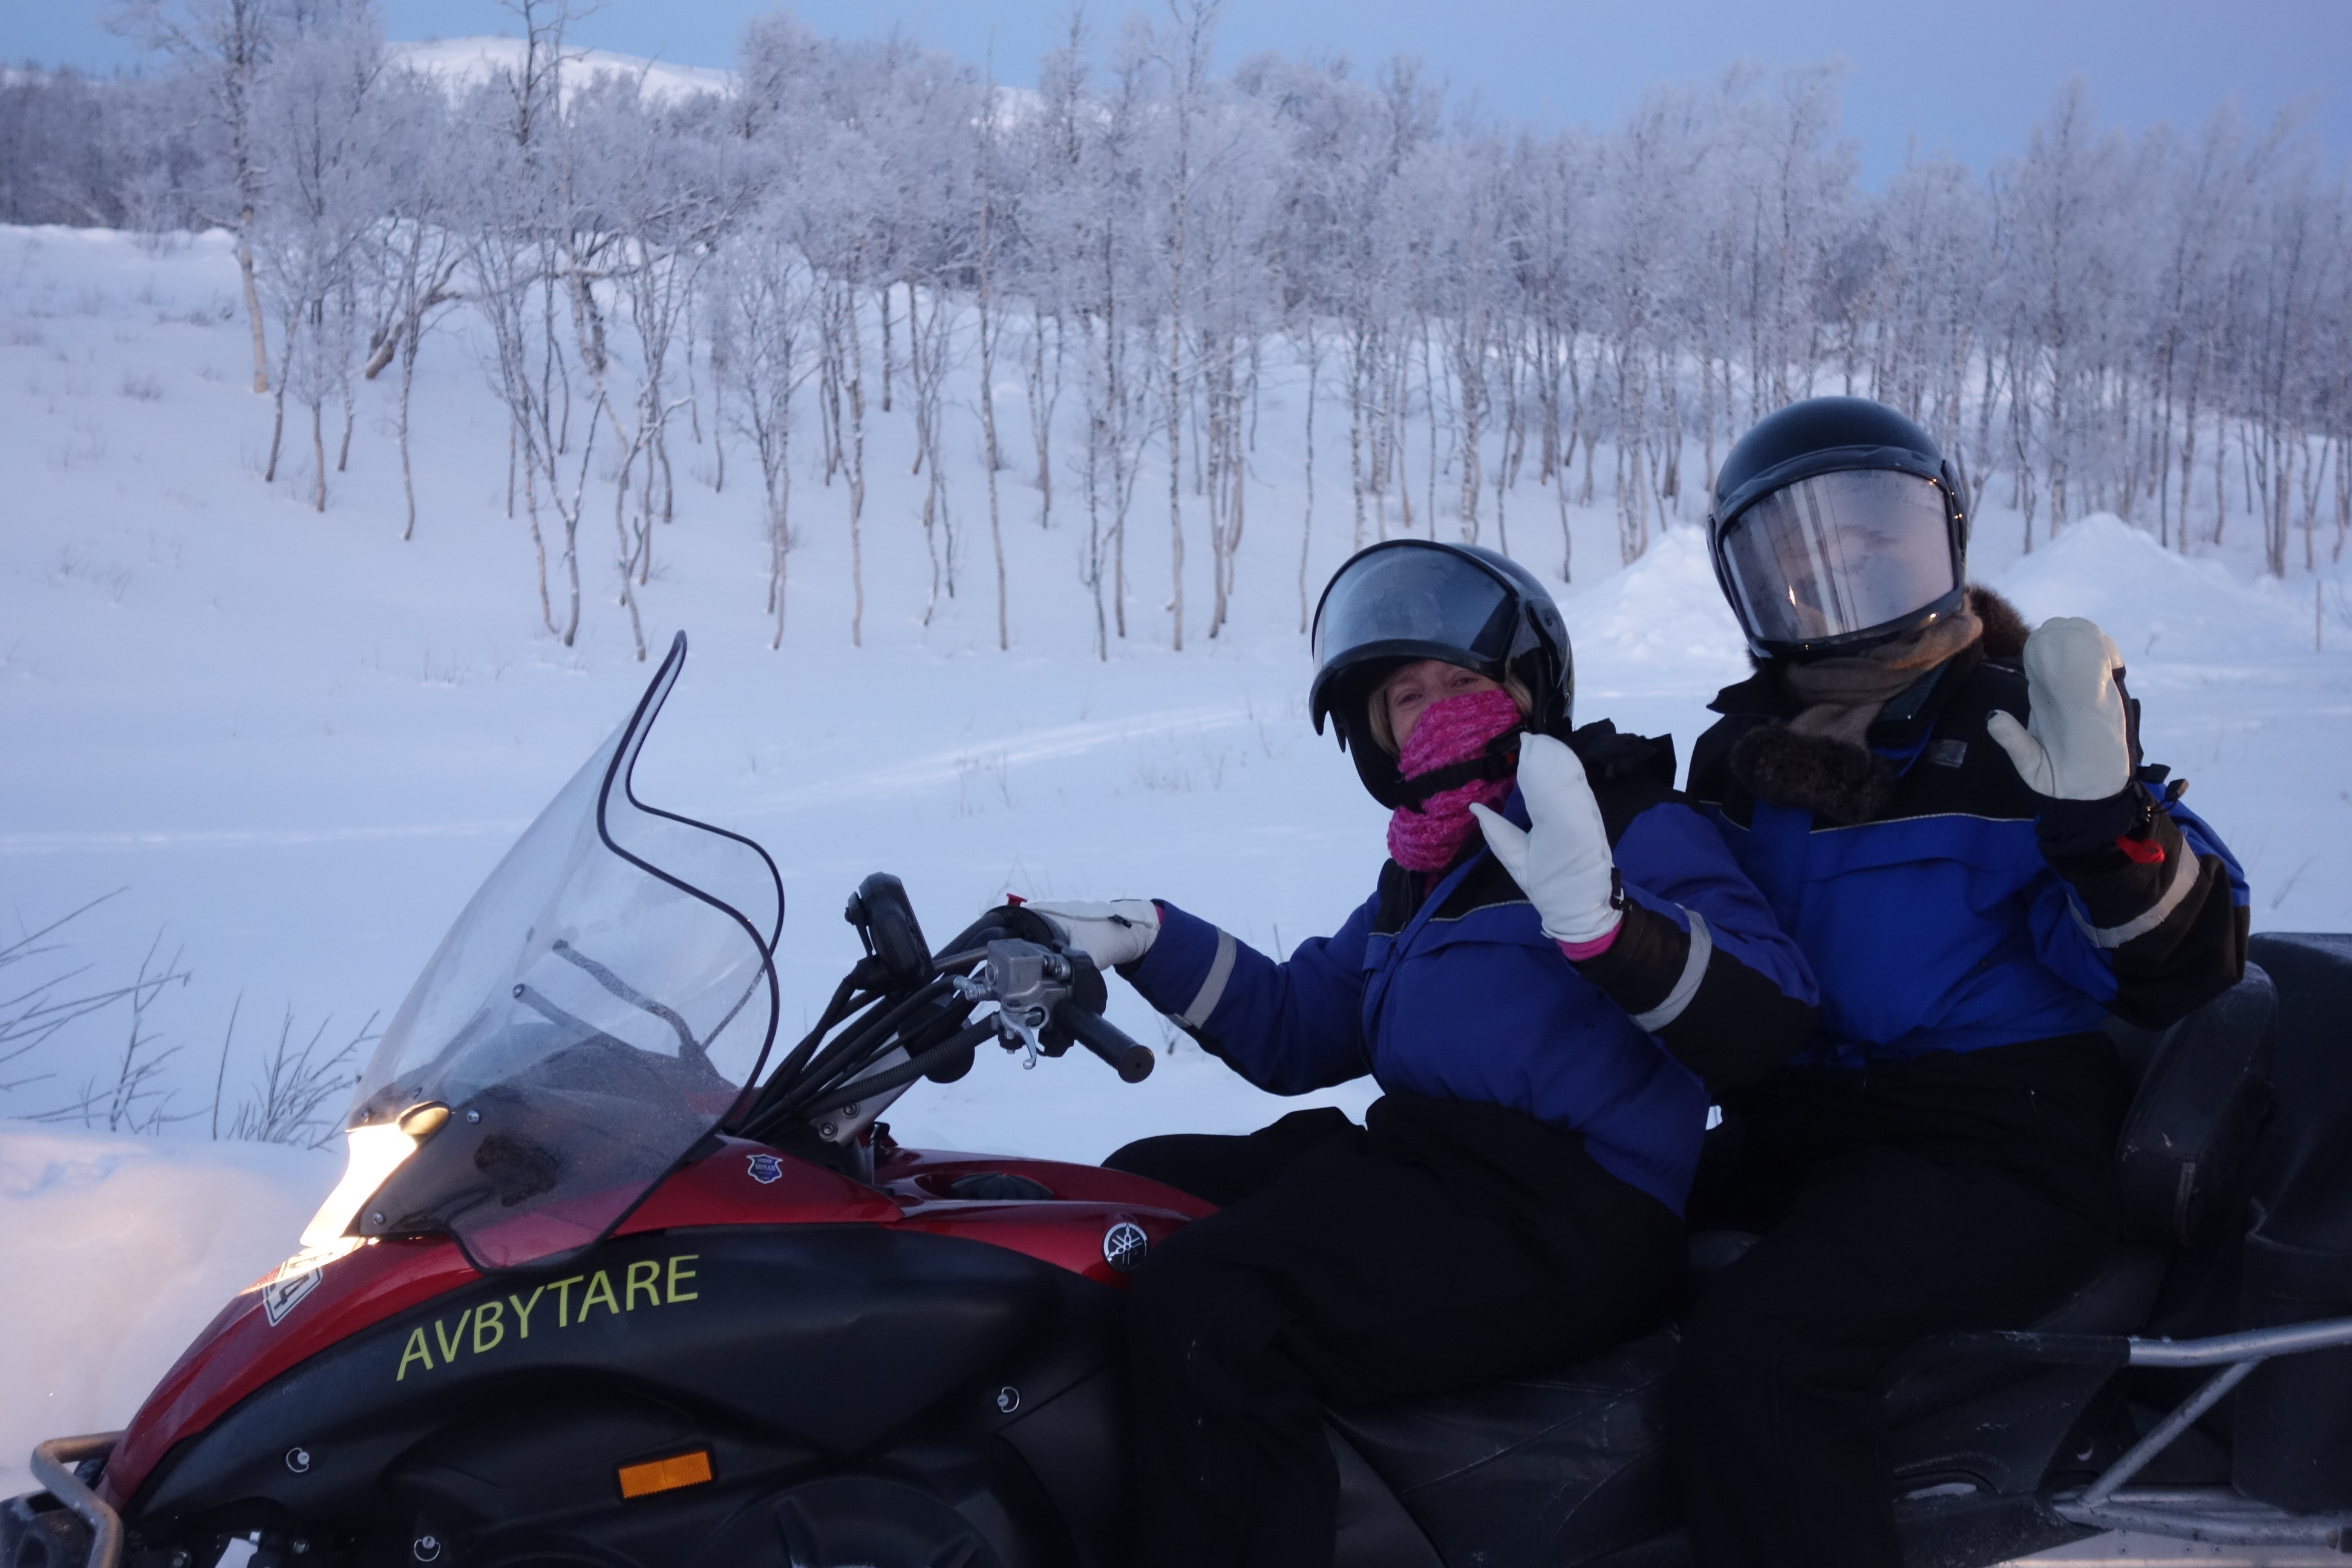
<point x="1629" y="774"/>
<point x="1400" y="892"/>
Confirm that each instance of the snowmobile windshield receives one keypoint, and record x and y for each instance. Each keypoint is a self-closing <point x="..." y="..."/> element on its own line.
<point x="597" y="1009"/>
<point x="1404" y="602"/>
<point x="1839" y="553"/>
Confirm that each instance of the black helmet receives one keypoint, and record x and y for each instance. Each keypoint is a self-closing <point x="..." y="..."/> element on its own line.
<point x="1837" y="524"/>
<point x="1411" y="599"/>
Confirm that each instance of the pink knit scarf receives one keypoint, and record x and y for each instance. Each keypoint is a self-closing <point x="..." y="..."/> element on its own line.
<point x="1455" y="730"/>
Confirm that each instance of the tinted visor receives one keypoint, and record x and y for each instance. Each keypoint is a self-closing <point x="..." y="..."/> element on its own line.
<point x="1429" y="603"/>
<point x="1840" y="554"/>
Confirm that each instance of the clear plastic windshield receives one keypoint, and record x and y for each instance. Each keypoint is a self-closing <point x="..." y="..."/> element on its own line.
<point x="1840" y="552"/>
<point x="597" y="1009"/>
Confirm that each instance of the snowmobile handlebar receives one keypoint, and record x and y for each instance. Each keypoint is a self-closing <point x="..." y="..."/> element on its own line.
<point x="901" y="997"/>
<point x="1129" y="1058"/>
<point x="1047" y="996"/>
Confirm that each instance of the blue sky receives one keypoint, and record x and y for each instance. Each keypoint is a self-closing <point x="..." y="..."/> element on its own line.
<point x="1966" y="85"/>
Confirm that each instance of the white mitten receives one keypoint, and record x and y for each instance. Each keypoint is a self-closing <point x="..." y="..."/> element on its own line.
<point x="2076" y="743"/>
<point x="1111" y="934"/>
<point x="1562" y="862"/>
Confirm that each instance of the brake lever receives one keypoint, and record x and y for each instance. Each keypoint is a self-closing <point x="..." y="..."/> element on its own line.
<point x="1027" y="981"/>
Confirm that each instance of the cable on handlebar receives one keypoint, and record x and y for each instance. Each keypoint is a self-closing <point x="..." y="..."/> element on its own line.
<point x="840" y="1059"/>
<point x="830" y="1062"/>
<point x="846" y="1003"/>
<point x="964" y="1039"/>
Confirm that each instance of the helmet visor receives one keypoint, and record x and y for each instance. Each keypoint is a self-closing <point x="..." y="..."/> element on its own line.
<point x="1427" y="602"/>
<point x="1840" y="554"/>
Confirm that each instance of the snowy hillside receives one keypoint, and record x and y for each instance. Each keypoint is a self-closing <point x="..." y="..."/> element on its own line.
<point x="463" y="62"/>
<point x="295" y="742"/>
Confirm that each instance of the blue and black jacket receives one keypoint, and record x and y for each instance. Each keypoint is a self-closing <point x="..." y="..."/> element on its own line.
<point x="1944" y="906"/>
<point x="1445" y="988"/>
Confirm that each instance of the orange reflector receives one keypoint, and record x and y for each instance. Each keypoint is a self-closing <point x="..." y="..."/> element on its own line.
<point x="665" y="1475"/>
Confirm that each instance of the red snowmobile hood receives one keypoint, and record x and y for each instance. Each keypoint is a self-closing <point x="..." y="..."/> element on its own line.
<point x="293" y="1312"/>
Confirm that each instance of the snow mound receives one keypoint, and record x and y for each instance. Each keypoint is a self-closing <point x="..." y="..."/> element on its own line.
<point x="1660" y="625"/>
<point x="119" y="1251"/>
<point x="463" y="62"/>
<point x="2155" y="603"/>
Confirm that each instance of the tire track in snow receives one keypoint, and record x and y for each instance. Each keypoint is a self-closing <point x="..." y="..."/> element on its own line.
<point x="947" y="766"/>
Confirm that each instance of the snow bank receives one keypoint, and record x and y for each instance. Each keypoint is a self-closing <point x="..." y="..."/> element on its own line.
<point x="1657" y="625"/>
<point x="2150" y="600"/>
<point x="119" y="1250"/>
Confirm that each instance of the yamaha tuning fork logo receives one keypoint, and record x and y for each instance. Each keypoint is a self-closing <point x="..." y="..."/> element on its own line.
<point x="1124" y="1247"/>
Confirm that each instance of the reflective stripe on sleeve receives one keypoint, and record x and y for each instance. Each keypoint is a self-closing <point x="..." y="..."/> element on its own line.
<point x="2185" y="870"/>
<point x="1702" y="948"/>
<point x="1212" y="989"/>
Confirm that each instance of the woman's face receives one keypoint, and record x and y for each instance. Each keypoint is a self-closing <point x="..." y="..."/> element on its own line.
<point x="1410" y="691"/>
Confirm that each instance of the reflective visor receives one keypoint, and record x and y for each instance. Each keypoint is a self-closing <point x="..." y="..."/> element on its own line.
<point x="1432" y="600"/>
<point x="1839" y="553"/>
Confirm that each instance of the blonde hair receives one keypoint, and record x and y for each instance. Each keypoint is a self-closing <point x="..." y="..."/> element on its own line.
<point x="1376" y="707"/>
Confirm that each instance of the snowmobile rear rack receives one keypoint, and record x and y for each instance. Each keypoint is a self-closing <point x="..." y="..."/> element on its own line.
<point x="2246" y="1347"/>
<point x="2200" y="1513"/>
<point x="56" y="1465"/>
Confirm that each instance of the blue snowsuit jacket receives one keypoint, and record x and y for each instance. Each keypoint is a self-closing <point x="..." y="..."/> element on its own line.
<point x="1446" y="987"/>
<point x="1944" y="906"/>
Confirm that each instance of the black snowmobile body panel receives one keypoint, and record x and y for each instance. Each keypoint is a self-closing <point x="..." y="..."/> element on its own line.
<point x="2292" y="1424"/>
<point x="778" y="1348"/>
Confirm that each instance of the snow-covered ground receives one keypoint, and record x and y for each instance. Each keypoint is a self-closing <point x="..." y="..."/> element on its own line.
<point x="296" y="744"/>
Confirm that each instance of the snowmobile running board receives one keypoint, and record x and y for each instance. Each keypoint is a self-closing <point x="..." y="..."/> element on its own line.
<point x="2215" y="1514"/>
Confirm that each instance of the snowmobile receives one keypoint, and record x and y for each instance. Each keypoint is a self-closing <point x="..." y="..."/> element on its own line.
<point x="610" y="1282"/>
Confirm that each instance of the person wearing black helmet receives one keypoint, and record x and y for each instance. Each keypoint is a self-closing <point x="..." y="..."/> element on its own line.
<point x="1558" y="956"/>
<point x="1953" y="820"/>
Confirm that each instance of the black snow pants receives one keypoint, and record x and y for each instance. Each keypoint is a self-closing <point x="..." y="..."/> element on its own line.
<point x="1442" y="1245"/>
<point x="1951" y="1192"/>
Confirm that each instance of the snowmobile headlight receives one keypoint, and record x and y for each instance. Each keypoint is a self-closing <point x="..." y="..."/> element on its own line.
<point x="375" y="1151"/>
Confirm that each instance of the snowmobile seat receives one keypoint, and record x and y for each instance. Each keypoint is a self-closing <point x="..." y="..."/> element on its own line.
<point x="1713" y="1251"/>
<point x="1552" y="1467"/>
<point x="2203" y="1094"/>
<point x="1587" y="1442"/>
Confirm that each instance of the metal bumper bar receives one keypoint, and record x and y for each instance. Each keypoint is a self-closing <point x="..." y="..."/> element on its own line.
<point x="53" y="1466"/>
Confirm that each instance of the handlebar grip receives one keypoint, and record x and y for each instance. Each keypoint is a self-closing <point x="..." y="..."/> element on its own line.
<point x="1132" y="1059"/>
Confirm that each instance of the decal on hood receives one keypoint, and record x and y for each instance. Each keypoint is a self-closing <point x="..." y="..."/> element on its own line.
<point x="485" y="1326"/>
<point x="298" y="1276"/>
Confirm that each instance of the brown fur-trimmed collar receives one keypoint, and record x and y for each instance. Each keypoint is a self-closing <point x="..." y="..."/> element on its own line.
<point x="2005" y="630"/>
<point x="1836" y="780"/>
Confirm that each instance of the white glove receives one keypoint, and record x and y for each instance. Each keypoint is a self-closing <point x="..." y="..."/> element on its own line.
<point x="1562" y="863"/>
<point x="2076" y="743"/>
<point x="1111" y="934"/>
